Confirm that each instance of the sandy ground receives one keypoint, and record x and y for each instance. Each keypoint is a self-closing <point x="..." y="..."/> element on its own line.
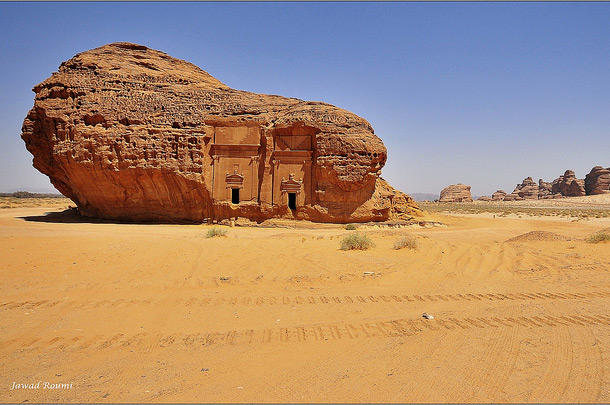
<point x="160" y="313"/>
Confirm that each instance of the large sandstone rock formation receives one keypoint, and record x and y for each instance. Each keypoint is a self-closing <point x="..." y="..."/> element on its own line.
<point x="527" y="190"/>
<point x="456" y="193"/>
<point x="598" y="181"/>
<point x="131" y="133"/>
<point x="568" y="185"/>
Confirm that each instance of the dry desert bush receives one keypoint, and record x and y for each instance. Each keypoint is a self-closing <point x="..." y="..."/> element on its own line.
<point x="356" y="242"/>
<point x="216" y="232"/>
<point x="350" y="227"/>
<point x="598" y="237"/>
<point x="408" y="242"/>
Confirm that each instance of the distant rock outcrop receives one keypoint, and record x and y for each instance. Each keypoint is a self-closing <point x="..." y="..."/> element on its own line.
<point x="545" y="189"/>
<point x="555" y="188"/>
<point x="598" y="181"/>
<point x="456" y="193"/>
<point x="513" y="197"/>
<point x="528" y="189"/>
<point x="498" y="195"/>
<point x="568" y="185"/>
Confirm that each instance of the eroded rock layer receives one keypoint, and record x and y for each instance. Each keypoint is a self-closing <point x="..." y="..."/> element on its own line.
<point x="131" y="133"/>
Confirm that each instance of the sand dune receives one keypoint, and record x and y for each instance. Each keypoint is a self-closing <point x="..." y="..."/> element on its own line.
<point x="160" y="313"/>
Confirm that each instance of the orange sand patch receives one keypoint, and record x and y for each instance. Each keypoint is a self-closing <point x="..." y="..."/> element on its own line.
<point x="160" y="313"/>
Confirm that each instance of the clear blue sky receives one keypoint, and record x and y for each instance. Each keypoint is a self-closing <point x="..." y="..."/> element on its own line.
<point x="479" y="93"/>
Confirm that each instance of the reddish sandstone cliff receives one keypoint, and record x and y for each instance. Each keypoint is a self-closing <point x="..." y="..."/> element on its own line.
<point x="131" y="133"/>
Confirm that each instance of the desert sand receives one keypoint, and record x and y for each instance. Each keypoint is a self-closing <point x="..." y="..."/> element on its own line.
<point x="160" y="313"/>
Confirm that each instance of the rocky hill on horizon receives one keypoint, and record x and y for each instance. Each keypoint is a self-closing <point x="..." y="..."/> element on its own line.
<point x="597" y="181"/>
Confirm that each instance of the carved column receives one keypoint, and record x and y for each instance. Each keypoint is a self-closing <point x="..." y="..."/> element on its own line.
<point x="215" y="159"/>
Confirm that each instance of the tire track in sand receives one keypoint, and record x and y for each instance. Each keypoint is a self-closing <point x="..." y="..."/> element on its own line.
<point x="494" y="365"/>
<point x="150" y="342"/>
<point x="586" y="377"/>
<point x="554" y="382"/>
<point x="53" y="313"/>
<point x="405" y="327"/>
<point x="310" y="300"/>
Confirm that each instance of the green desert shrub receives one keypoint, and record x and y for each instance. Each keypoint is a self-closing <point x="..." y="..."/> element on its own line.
<point x="598" y="237"/>
<point x="350" y="227"/>
<point x="216" y="232"/>
<point x="408" y="242"/>
<point x="356" y="242"/>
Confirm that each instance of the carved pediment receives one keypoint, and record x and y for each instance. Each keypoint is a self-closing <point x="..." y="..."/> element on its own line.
<point x="234" y="180"/>
<point x="291" y="185"/>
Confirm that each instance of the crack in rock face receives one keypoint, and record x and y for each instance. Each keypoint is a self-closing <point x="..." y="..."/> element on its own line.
<point x="130" y="133"/>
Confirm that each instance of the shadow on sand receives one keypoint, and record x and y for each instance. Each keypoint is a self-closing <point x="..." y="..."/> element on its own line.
<point x="72" y="216"/>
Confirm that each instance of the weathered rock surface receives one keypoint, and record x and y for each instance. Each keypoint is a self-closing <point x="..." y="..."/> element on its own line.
<point x="131" y="133"/>
<point x="597" y="181"/>
<point x="456" y="193"/>
<point x="484" y="198"/>
<point x="545" y="189"/>
<point x="555" y="185"/>
<point x="568" y="185"/>
<point x="527" y="190"/>
<point x="498" y="195"/>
